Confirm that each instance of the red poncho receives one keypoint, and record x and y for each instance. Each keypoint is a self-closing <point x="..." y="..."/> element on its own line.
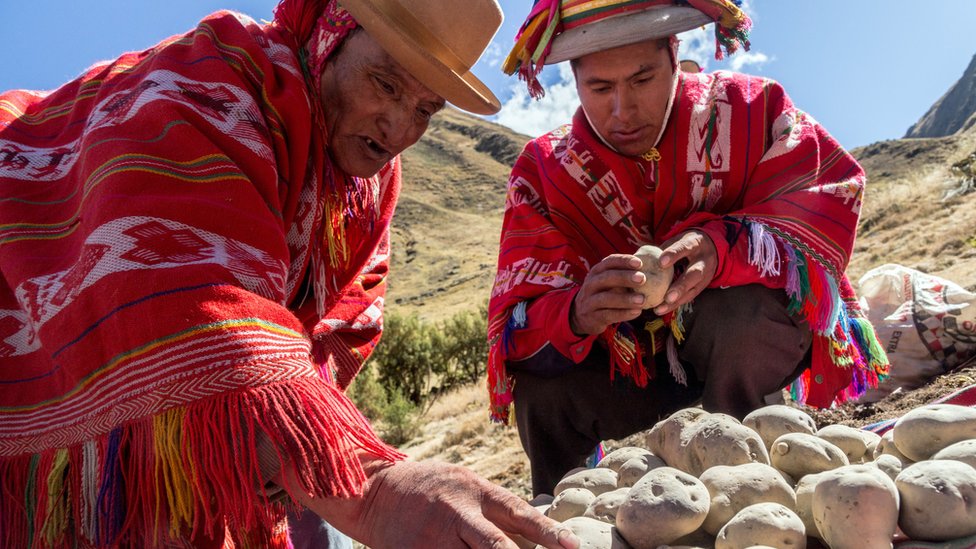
<point x="777" y="195"/>
<point x="158" y="216"/>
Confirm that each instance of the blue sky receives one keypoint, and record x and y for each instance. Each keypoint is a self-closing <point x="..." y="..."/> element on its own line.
<point x="866" y="69"/>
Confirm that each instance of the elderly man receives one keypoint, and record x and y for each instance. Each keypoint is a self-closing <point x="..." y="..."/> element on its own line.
<point x="753" y="203"/>
<point x="193" y="247"/>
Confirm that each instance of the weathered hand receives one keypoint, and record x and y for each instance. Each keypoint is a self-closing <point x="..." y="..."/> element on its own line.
<point x="699" y="250"/>
<point x="607" y="295"/>
<point x="433" y="504"/>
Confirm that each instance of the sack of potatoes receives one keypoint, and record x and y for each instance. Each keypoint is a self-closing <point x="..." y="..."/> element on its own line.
<point x="704" y="480"/>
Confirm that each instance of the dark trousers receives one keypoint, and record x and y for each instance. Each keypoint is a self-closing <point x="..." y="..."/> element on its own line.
<point x="741" y="345"/>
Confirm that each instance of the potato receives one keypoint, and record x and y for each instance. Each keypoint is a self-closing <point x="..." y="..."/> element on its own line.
<point x="886" y="447"/>
<point x="964" y="451"/>
<point x="848" y="439"/>
<point x="922" y="432"/>
<point x="762" y="524"/>
<point x="887" y="464"/>
<point x="658" y="278"/>
<point x="804" y="503"/>
<point x="733" y="488"/>
<point x="569" y="503"/>
<point x="635" y="468"/>
<point x="604" y="507"/>
<point x="597" y="480"/>
<point x="856" y="507"/>
<point x="695" y="441"/>
<point x="594" y="534"/>
<point x="799" y="454"/>
<point x="661" y="507"/>
<point x="772" y="422"/>
<point x="618" y="457"/>
<point x="938" y="500"/>
<point x="871" y="441"/>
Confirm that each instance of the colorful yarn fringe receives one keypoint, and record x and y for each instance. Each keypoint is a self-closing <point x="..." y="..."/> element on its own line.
<point x="847" y="354"/>
<point x="174" y="477"/>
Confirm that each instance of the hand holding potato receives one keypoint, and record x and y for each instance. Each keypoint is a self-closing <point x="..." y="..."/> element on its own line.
<point x="699" y="250"/>
<point x="608" y="295"/>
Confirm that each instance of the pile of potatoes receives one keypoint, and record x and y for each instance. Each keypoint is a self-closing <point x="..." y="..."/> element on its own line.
<point x="774" y="480"/>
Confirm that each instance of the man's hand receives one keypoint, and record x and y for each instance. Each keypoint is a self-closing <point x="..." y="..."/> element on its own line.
<point x="699" y="250"/>
<point x="607" y="295"/>
<point x="433" y="504"/>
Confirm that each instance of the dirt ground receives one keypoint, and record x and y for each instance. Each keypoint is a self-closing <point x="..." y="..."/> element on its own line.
<point x="899" y="402"/>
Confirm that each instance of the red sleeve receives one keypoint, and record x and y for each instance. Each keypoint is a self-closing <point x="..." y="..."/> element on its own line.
<point x="547" y="323"/>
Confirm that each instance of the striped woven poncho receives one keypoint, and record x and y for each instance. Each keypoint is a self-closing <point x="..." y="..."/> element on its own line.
<point x="158" y="217"/>
<point x="778" y="196"/>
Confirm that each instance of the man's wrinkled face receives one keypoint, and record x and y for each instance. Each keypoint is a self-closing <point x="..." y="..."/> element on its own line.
<point x="373" y="108"/>
<point x="625" y="92"/>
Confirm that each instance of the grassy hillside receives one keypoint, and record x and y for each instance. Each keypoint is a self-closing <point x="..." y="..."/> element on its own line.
<point x="445" y="232"/>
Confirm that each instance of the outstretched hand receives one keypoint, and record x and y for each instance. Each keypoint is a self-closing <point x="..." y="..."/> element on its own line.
<point x="699" y="250"/>
<point x="433" y="504"/>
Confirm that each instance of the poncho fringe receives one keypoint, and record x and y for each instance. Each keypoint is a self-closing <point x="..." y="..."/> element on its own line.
<point x="180" y="478"/>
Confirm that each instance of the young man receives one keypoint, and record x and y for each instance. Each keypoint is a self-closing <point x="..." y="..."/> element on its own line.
<point x="751" y="200"/>
<point x="193" y="247"/>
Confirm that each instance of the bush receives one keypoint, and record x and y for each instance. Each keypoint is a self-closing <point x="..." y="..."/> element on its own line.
<point x="414" y="362"/>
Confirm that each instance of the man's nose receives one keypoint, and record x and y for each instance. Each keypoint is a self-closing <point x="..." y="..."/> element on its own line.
<point x="623" y="104"/>
<point x="397" y="126"/>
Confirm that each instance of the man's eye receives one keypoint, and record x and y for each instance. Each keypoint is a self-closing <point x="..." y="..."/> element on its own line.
<point x="384" y="85"/>
<point x="601" y="89"/>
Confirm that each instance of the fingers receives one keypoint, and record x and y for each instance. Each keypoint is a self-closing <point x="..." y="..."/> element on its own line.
<point x="684" y="289"/>
<point x="523" y="521"/>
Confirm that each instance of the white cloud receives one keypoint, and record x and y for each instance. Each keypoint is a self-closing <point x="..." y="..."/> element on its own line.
<point x="744" y="59"/>
<point x="526" y="115"/>
<point x="494" y="55"/>
<point x="698" y="45"/>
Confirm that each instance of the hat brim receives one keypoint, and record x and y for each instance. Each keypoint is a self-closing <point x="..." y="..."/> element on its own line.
<point x="463" y="90"/>
<point x="621" y="30"/>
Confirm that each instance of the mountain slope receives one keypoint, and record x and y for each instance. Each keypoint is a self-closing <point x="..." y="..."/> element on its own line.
<point x="954" y="111"/>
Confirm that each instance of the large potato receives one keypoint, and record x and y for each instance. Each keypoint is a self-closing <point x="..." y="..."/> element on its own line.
<point x="774" y="421"/>
<point x="635" y="468"/>
<point x="762" y="524"/>
<point x="597" y="480"/>
<point x="924" y="431"/>
<point x="661" y="507"/>
<point x="733" y="488"/>
<point x="804" y="503"/>
<point x="964" y="451"/>
<point x="594" y="534"/>
<point x="569" y="503"/>
<point x="938" y="500"/>
<point x="848" y="439"/>
<point x="618" y="457"/>
<point x="694" y="441"/>
<point x="856" y="507"/>
<point x="799" y="454"/>
<point x="604" y="507"/>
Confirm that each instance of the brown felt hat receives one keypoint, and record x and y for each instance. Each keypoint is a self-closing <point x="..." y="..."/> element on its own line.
<point x="437" y="42"/>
